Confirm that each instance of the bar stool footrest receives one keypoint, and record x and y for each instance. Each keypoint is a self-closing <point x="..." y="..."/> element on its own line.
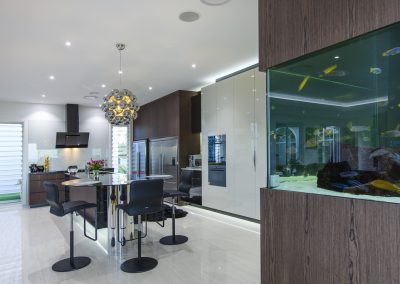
<point x="137" y="265"/>
<point x="171" y="240"/>
<point x="65" y="265"/>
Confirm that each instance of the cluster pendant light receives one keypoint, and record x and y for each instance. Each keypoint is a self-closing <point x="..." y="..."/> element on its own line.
<point x="120" y="106"/>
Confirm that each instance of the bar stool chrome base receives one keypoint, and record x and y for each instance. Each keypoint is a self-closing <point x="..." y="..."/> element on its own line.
<point x="173" y="240"/>
<point x="137" y="265"/>
<point x="67" y="265"/>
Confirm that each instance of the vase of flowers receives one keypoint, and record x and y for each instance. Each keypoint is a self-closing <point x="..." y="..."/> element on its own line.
<point x="95" y="166"/>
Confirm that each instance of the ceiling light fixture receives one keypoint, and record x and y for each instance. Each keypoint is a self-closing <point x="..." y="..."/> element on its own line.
<point x="214" y="2"/>
<point x="150" y="88"/>
<point x="90" y="97"/>
<point x="120" y="106"/>
<point x="289" y="97"/>
<point x="103" y="86"/>
<point x="337" y="57"/>
<point x="194" y="65"/>
<point x="189" y="16"/>
<point x="43" y="95"/>
<point x="68" y="43"/>
<point x="51" y="77"/>
<point x="120" y="72"/>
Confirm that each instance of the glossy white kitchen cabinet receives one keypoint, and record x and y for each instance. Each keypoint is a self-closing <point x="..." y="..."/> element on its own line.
<point x="242" y="141"/>
<point x="209" y="109"/>
<point x="260" y="114"/>
<point x="236" y="107"/>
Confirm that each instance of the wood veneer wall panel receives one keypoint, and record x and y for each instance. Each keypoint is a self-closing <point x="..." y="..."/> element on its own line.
<point x="158" y="119"/>
<point x="292" y="28"/>
<point x="189" y="143"/>
<point x="325" y="229"/>
<point x="278" y="232"/>
<point x="307" y="238"/>
<point x="170" y="116"/>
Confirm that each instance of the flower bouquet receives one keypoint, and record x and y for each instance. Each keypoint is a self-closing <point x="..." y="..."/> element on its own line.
<point x="95" y="166"/>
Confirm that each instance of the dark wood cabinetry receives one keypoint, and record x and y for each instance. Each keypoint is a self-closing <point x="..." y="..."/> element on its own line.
<point x="309" y="238"/>
<point x="37" y="193"/>
<point x="292" y="28"/>
<point x="170" y="116"/>
<point x="196" y="114"/>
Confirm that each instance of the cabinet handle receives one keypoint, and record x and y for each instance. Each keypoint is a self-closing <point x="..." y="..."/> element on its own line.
<point x="254" y="158"/>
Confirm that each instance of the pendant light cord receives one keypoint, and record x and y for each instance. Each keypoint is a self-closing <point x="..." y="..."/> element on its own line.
<point x="120" y="69"/>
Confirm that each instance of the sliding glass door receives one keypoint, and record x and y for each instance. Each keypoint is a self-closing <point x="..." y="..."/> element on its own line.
<point x="11" y="150"/>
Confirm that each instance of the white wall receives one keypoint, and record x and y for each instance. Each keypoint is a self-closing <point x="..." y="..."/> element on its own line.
<point x="41" y="122"/>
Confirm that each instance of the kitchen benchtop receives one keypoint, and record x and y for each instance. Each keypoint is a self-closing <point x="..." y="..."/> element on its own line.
<point x="66" y="172"/>
<point x="105" y="178"/>
<point x="47" y="173"/>
<point x="192" y="169"/>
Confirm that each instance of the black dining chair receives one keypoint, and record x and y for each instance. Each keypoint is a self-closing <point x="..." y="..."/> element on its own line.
<point x="61" y="209"/>
<point x="183" y="191"/>
<point x="146" y="197"/>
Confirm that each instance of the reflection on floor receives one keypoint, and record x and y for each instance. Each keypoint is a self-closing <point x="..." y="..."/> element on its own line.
<point x="221" y="249"/>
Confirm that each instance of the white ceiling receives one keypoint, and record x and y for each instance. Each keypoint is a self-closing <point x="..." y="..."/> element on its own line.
<point x="160" y="48"/>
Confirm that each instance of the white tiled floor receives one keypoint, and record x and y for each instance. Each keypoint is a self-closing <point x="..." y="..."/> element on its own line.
<point x="221" y="249"/>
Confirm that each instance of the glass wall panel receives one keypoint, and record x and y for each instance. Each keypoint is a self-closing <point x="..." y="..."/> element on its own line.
<point x="334" y="119"/>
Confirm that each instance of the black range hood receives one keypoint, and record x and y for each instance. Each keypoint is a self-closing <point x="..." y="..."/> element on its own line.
<point x="72" y="138"/>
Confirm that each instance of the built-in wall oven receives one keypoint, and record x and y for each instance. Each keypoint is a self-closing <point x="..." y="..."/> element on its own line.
<point x="217" y="160"/>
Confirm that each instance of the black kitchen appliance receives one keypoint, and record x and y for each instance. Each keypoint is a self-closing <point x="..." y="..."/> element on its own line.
<point x="72" y="138"/>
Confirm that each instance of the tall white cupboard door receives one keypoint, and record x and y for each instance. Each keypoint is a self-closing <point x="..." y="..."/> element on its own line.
<point x="225" y="106"/>
<point x="217" y="119"/>
<point x="243" y="178"/>
<point x="260" y="137"/>
<point x="236" y="107"/>
<point x="209" y="109"/>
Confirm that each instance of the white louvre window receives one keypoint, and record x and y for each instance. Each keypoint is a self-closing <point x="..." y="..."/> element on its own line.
<point x="120" y="149"/>
<point x="10" y="162"/>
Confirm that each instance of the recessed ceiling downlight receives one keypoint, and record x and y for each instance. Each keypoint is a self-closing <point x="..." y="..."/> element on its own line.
<point x="215" y="2"/>
<point x="189" y="16"/>
<point x="90" y="97"/>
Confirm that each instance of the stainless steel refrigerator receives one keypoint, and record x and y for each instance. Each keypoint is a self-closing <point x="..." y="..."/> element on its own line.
<point x="164" y="160"/>
<point x="139" y="159"/>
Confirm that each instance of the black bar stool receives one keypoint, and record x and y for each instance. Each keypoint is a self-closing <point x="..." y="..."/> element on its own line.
<point x="183" y="191"/>
<point x="146" y="197"/>
<point x="60" y="210"/>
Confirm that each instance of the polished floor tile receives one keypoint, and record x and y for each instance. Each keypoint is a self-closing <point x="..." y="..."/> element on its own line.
<point x="221" y="249"/>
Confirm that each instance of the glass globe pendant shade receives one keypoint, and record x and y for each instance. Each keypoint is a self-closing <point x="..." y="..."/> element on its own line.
<point x="120" y="107"/>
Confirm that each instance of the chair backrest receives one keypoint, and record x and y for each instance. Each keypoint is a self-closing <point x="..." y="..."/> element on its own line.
<point x="186" y="181"/>
<point x="52" y="197"/>
<point x="146" y="193"/>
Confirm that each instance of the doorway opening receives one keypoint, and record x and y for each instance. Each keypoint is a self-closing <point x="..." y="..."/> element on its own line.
<point x="11" y="159"/>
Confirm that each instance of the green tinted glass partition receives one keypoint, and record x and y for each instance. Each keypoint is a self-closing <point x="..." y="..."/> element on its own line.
<point x="334" y="119"/>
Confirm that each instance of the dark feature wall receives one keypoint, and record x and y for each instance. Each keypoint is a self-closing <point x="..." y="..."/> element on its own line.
<point x="309" y="238"/>
<point x="170" y="116"/>
<point x="292" y="28"/>
<point x="158" y="119"/>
